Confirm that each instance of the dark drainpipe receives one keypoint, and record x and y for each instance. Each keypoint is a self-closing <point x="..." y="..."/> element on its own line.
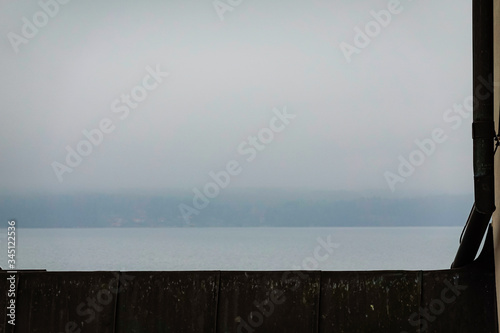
<point x="483" y="133"/>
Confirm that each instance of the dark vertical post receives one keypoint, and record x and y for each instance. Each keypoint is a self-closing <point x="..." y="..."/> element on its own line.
<point x="483" y="125"/>
<point x="483" y="132"/>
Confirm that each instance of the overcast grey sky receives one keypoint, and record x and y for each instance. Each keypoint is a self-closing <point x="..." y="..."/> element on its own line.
<point x="225" y="77"/>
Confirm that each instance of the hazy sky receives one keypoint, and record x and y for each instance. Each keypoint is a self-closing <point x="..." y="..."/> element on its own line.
<point x="353" y="120"/>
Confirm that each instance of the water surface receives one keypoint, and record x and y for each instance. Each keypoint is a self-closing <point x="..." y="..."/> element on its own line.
<point x="407" y="248"/>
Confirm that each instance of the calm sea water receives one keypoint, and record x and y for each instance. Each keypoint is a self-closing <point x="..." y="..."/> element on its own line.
<point x="408" y="248"/>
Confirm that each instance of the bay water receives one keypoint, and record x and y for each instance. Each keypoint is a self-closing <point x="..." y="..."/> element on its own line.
<point x="171" y="249"/>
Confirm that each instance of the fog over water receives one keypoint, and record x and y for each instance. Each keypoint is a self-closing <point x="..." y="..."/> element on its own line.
<point x="303" y="94"/>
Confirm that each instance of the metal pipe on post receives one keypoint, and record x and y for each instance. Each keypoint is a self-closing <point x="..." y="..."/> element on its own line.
<point x="483" y="133"/>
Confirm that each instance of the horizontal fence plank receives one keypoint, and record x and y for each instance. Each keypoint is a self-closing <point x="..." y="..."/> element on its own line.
<point x="54" y="302"/>
<point x="368" y="301"/>
<point x="459" y="300"/>
<point x="167" y="302"/>
<point x="268" y="302"/>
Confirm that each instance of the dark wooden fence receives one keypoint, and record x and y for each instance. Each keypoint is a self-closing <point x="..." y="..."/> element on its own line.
<point x="460" y="300"/>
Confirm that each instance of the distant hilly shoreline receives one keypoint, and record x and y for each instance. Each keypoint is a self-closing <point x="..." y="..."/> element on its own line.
<point x="241" y="209"/>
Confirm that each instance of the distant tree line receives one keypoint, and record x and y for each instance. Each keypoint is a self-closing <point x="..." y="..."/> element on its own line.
<point x="243" y="210"/>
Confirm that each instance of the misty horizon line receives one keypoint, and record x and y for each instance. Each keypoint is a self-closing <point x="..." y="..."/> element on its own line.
<point x="243" y="190"/>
